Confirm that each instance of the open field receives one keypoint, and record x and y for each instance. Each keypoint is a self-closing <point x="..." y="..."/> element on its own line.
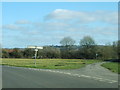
<point x="112" y="66"/>
<point x="49" y="63"/>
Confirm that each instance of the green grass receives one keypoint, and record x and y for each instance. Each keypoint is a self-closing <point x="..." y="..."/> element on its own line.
<point x="49" y="63"/>
<point x="112" y="66"/>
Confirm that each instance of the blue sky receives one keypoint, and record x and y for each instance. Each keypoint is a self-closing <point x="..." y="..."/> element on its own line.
<point x="46" y="23"/>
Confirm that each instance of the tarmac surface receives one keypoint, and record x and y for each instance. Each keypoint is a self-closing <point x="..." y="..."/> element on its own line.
<point x="91" y="76"/>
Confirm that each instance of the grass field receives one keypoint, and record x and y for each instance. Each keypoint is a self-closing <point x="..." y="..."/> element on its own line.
<point x="49" y="63"/>
<point x="112" y="66"/>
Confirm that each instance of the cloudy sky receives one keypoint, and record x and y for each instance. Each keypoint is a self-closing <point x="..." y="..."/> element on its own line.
<point x="46" y="23"/>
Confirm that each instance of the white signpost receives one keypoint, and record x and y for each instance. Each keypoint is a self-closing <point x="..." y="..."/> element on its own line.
<point x="36" y="49"/>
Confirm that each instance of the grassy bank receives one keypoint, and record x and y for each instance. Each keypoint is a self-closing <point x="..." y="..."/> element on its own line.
<point x="49" y="63"/>
<point x="112" y="66"/>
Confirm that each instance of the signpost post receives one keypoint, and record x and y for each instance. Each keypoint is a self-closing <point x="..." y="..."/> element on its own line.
<point x="36" y="50"/>
<point x="96" y="55"/>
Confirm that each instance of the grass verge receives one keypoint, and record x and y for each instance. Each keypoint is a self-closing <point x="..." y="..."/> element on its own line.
<point x="112" y="66"/>
<point x="49" y="63"/>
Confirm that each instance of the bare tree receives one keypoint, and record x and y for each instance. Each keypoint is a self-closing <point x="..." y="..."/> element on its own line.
<point x="88" y="47"/>
<point x="67" y="45"/>
<point x="67" y="41"/>
<point x="87" y="41"/>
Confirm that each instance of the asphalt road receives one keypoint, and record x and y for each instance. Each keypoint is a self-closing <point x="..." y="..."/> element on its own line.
<point x="94" y="71"/>
<point x="17" y="77"/>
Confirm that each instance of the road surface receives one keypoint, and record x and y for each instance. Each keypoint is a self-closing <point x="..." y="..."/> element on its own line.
<point x="18" y="77"/>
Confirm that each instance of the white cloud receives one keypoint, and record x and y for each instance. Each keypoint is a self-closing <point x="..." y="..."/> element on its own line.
<point x="14" y="27"/>
<point x="63" y="14"/>
<point x="61" y="23"/>
<point x="83" y="17"/>
<point x="22" y="22"/>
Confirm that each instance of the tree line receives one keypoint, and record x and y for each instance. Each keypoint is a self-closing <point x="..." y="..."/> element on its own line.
<point x="87" y="49"/>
